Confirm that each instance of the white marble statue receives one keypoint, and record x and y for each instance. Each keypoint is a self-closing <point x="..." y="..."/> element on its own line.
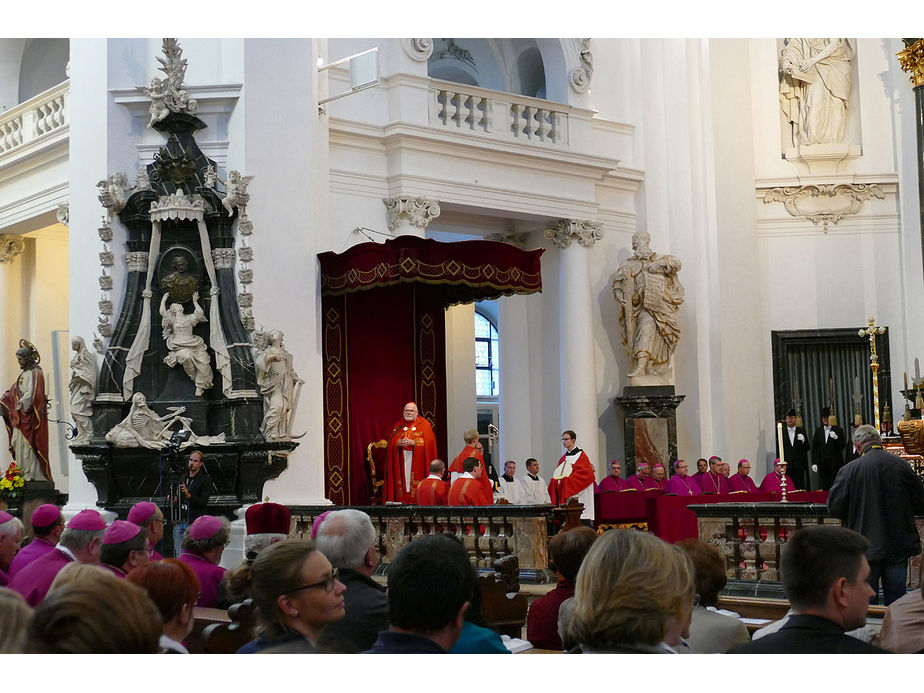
<point x="815" y="76"/>
<point x="82" y="388"/>
<point x="112" y="193"/>
<point x="649" y="294"/>
<point x="186" y="349"/>
<point x="144" y="428"/>
<point x="236" y="195"/>
<point x="279" y="385"/>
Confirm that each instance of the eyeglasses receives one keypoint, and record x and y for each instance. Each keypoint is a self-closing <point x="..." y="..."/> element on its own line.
<point x="327" y="583"/>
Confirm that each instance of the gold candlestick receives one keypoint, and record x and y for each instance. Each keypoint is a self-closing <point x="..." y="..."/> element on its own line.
<point x="871" y="331"/>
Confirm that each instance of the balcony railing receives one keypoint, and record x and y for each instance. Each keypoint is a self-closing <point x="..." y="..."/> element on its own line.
<point x="34" y="119"/>
<point x="498" y="114"/>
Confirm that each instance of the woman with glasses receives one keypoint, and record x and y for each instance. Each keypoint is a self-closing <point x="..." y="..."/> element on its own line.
<point x="297" y="593"/>
<point x="174" y="589"/>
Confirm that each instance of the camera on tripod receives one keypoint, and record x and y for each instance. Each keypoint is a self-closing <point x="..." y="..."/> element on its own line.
<point x="171" y="451"/>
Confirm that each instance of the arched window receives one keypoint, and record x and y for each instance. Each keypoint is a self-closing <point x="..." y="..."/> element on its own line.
<point x="487" y="357"/>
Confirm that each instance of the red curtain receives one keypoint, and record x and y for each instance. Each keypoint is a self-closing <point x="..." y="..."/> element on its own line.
<point x="383" y="322"/>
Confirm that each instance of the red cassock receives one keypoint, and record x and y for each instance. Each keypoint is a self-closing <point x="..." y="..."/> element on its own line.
<point x="470" y="451"/>
<point x="433" y="492"/>
<point x="582" y="476"/>
<point x="468" y="492"/>
<point x="424" y="452"/>
<point x="33" y="424"/>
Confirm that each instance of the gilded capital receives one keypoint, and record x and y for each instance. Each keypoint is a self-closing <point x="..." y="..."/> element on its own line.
<point x="912" y="60"/>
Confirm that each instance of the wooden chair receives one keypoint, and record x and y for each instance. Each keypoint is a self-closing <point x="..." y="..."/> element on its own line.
<point x="502" y="606"/>
<point x="228" y="637"/>
<point x="376" y="462"/>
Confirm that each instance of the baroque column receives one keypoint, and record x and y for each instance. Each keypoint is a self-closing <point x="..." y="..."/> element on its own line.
<point x="912" y="62"/>
<point x="410" y="216"/>
<point x="575" y="238"/>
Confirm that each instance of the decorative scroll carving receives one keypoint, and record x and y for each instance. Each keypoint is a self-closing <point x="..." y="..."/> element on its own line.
<point x="566" y="231"/>
<point x="912" y="60"/>
<point x="419" y="211"/>
<point x="63" y="215"/>
<point x="580" y="76"/>
<point x="166" y="95"/>
<point x="136" y="261"/>
<point x="805" y="201"/>
<point x="419" y="49"/>
<point x="10" y="247"/>
<point x="177" y="206"/>
<point x="223" y="258"/>
<point x="512" y="237"/>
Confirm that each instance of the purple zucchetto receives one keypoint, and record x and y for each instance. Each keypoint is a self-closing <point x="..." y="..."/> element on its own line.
<point x="46" y="515"/>
<point x="141" y="512"/>
<point x="642" y="465"/>
<point x="120" y="531"/>
<point x="204" y="527"/>
<point x="5" y="517"/>
<point x="87" y="520"/>
<point x="316" y="525"/>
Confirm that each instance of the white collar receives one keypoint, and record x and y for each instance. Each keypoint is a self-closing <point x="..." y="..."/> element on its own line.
<point x="66" y="551"/>
<point x="168" y="643"/>
<point x="466" y="475"/>
<point x="435" y="476"/>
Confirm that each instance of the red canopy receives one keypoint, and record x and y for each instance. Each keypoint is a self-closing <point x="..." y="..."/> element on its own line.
<point x="464" y="271"/>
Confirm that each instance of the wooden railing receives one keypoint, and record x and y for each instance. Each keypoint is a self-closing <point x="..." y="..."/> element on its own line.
<point x="34" y="119"/>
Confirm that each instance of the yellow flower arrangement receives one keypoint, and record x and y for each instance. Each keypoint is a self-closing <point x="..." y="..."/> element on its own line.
<point x="12" y="482"/>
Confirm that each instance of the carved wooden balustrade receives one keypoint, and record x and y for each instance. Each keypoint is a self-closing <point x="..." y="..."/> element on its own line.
<point x="488" y="532"/>
<point x="498" y="114"/>
<point x="32" y="120"/>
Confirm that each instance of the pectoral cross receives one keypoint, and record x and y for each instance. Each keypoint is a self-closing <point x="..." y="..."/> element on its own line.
<point x="871" y="331"/>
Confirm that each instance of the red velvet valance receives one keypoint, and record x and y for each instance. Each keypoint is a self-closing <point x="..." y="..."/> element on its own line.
<point x="464" y="271"/>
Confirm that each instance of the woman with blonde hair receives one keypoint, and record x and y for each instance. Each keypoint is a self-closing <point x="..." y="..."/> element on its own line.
<point x="297" y="593"/>
<point x="634" y="594"/>
<point x="15" y="616"/>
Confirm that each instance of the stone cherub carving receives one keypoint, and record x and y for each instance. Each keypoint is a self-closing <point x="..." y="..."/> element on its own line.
<point x="112" y="193"/>
<point x="815" y="77"/>
<point x="186" y="349"/>
<point x="649" y="294"/>
<point x="166" y="94"/>
<point x="82" y="387"/>
<point x="144" y="428"/>
<point x="236" y="192"/>
<point x="279" y="385"/>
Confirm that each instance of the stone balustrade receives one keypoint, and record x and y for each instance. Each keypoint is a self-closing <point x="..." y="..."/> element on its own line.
<point x="32" y="120"/>
<point x="488" y="532"/>
<point x="498" y="114"/>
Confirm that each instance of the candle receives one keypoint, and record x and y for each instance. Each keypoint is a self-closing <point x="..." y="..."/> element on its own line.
<point x="906" y="380"/>
<point x="779" y="435"/>
<point x="917" y="369"/>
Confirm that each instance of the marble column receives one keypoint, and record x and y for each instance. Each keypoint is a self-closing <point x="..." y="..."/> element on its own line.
<point x="912" y="62"/>
<point x="578" y="379"/>
<point x="11" y="298"/>
<point x="410" y="216"/>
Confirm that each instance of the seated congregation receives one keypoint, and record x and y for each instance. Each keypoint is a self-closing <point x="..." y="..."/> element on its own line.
<point x="97" y="590"/>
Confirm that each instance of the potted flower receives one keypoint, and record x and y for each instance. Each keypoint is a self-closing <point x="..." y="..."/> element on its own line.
<point x="11" y="484"/>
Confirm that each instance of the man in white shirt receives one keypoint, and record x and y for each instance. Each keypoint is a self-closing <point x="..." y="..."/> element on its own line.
<point x="532" y="488"/>
<point x="508" y="488"/>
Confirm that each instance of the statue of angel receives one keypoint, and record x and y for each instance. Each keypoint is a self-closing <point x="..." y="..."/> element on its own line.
<point x="236" y="195"/>
<point x="112" y="193"/>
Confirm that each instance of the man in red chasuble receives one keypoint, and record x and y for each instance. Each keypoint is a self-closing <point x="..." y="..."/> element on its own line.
<point x="574" y="477"/>
<point x="411" y="448"/>
<point x="467" y="489"/>
<point x="473" y="448"/>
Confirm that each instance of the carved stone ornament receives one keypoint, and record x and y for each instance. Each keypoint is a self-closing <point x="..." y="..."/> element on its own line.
<point x="566" y="231"/>
<point x="177" y="206"/>
<point x="166" y="94"/>
<point x="144" y="428"/>
<point x="105" y="306"/>
<point x="580" y="76"/>
<point x="106" y="258"/>
<point x="245" y="226"/>
<point x="112" y="193"/>
<point x="512" y="237"/>
<point x="826" y="203"/>
<point x="245" y="276"/>
<point x="419" y="211"/>
<point x="136" y="261"/>
<point x="142" y="180"/>
<point x="63" y="215"/>
<point x="912" y="60"/>
<point x="245" y="253"/>
<point x="245" y="299"/>
<point x="104" y="327"/>
<point x="223" y="258"/>
<point x="419" y="49"/>
<point x="10" y="247"/>
<point x="105" y="231"/>
<point x="105" y="282"/>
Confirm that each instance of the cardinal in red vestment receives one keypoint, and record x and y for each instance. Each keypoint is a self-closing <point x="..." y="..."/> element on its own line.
<point x="411" y="448"/>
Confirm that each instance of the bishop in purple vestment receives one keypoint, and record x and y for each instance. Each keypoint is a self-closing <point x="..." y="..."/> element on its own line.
<point x="47" y="525"/>
<point x="613" y="482"/>
<point x="641" y="480"/>
<point x="742" y="480"/>
<point x="682" y="484"/>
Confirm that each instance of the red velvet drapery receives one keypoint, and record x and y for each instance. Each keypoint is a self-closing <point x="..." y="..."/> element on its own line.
<point x="383" y="308"/>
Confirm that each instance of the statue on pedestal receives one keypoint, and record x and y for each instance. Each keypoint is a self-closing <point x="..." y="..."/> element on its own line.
<point x="25" y="411"/>
<point x="649" y="294"/>
<point x="82" y="388"/>
<point x="279" y="385"/>
<point x="186" y="349"/>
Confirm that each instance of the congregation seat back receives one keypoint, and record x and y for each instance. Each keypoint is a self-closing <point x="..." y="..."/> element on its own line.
<point x="229" y="636"/>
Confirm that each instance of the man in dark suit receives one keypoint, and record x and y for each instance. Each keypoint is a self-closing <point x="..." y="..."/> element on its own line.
<point x="828" y="445"/>
<point x="824" y="573"/>
<point x="195" y="490"/>
<point x="795" y="451"/>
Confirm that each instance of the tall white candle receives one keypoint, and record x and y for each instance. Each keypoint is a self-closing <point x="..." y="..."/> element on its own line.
<point x="779" y="435"/>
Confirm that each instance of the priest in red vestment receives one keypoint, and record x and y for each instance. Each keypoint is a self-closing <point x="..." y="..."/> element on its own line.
<point x="574" y="477"/>
<point x="772" y="482"/>
<point x="614" y="482"/>
<point x="433" y="490"/>
<point x="742" y="481"/>
<point x="24" y="410"/>
<point x="411" y="449"/>
<point x="473" y="448"/>
<point x="468" y="489"/>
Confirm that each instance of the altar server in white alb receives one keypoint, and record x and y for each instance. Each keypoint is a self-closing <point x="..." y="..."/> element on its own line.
<point x="507" y="485"/>
<point x="532" y="488"/>
<point x="574" y="477"/>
